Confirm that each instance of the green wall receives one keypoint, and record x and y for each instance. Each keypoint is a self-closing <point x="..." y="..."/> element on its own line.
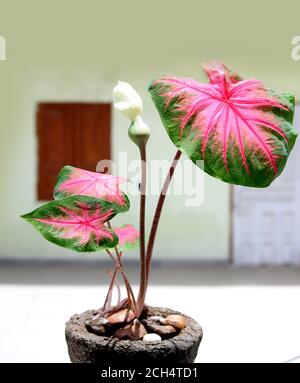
<point x="78" y="50"/>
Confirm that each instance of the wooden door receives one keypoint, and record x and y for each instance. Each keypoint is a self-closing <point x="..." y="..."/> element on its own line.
<point x="76" y="134"/>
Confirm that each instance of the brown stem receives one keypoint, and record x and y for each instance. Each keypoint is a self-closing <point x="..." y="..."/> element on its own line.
<point x="126" y="281"/>
<point x="157" y="214"/>
<point x="143" y="279"/>
<point x="112" y="282"/>
<point x="119" y="266"/>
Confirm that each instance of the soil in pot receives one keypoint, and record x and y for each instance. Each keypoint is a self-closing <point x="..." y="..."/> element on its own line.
<point x="177" y="347"/>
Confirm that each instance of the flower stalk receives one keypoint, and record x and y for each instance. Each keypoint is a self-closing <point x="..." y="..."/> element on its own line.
<point x="157" y="214"/>
<point x="143" y="274"/>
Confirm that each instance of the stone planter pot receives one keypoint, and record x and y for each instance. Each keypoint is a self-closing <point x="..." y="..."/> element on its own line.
<point x="85" y="347"/>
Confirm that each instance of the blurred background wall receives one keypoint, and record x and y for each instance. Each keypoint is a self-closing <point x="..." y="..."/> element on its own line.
<point x="77" y="51"/>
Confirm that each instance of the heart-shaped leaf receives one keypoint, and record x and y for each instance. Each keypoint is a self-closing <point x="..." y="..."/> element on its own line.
<point x="76" y="223"/>
<point x="128" y="237"/>
<point x="241" y="130"/>
<point x="75" y="181"/>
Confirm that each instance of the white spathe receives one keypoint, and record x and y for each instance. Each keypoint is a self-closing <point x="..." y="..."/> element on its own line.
<point x="139" y="127"/>
<point x="127" y="100"/>
<point x="139" y="131"/>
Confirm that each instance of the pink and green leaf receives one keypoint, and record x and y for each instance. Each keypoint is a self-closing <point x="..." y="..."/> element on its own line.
<point x="77" y="223"/>
<point x="75" y="181"/>
<point x="242" y="131"/>
<point x="128" y="237"/>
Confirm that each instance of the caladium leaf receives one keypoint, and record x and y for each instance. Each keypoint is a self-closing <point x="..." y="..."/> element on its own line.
<point x="128" y="236"/>
<point x="241" y="130"/>
<point x="76" y="223"/>
<point x="75" y="181"/>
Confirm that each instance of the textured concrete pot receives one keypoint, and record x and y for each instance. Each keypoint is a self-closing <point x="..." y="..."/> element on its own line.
<point x="85" y="347"/>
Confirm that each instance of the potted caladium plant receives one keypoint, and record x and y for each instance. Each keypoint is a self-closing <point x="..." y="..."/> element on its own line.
<point x="236" y="130"/>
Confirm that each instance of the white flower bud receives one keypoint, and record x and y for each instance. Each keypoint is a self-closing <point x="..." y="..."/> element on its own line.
<point x="139" y="131"/>
<point x="127" y="100"/>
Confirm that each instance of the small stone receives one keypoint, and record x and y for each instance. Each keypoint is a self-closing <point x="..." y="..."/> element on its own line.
<point x="121" y="316"/>
<point x="165" y="331"/>
<point x="151" y="338"/>
<point x="177" y="321"/>
<point x="157" y="319"/>
<point x="97" y="325"/>
<point x="97" y="329"/>
<point x="134" y="331"/>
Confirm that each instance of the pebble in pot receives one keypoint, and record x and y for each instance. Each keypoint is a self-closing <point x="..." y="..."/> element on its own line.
<point x="165" y="331"/>
<point x="151" y="338"/>
<point x="121" y="316"/>
<point x="157" y="319"/>
<point x="177" y="321"/>
<point x="98" y="325"/>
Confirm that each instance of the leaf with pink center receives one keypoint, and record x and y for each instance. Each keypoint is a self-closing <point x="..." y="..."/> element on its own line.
<point x="76" y="222"/>
<point x="128" y="236"/>
<point x="236" y="130"/>
<point x="76" y="181"/>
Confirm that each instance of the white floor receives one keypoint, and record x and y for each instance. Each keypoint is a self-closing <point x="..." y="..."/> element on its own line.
<point x="240" y="323"/>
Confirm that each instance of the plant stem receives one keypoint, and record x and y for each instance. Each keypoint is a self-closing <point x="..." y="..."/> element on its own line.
<point x="130" y="294"/>
<point x="110" y="288"/>
<point x="126" y="281"/>
<point x="143" y="279"/>
<point x="157" y="214"/>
